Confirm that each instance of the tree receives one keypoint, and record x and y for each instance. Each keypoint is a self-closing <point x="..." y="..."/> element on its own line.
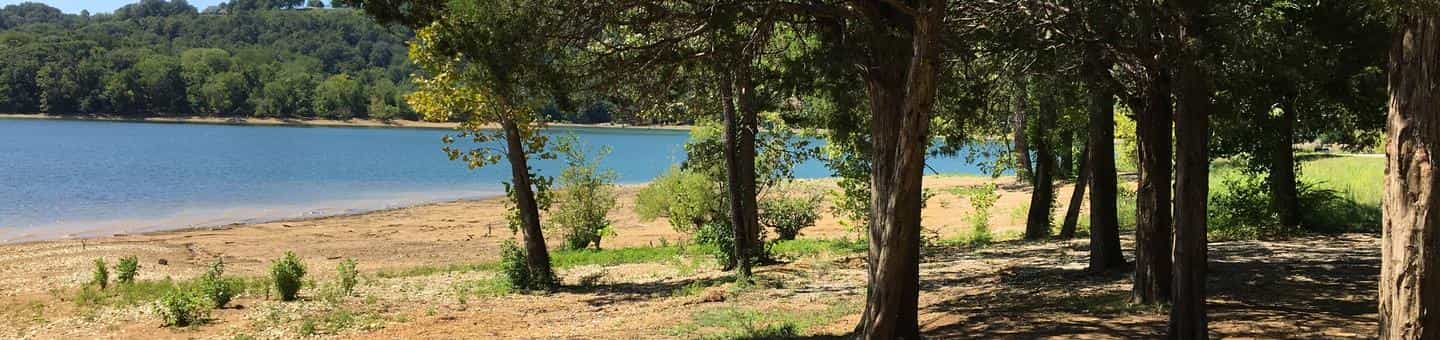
<point x="339" y="97"/>
<point x="1409" y="284"/>
<point x="1042" y="196"/>
<point x="224" y="94"/>
<point x="486" y="61"/>
<point x="1192" y="169"/>
<point x="1105" y="252"/>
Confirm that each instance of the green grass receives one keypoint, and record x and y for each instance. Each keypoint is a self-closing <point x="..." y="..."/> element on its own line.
<point x="1337" y="194"/>
<point x="1361" y="178"/>
<point x="809" y="247"/>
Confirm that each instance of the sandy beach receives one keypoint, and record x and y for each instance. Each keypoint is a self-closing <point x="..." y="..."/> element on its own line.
<point x="367" y="123"/>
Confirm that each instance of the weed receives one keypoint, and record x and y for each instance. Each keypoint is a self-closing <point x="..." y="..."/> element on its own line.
<point x="100" y="277"/>
<point x="349" y="276"/>
<point x="287" y="274"/>
<point x="214" y="286"/>
<point x="180" y="308"/>
<point x="126" y="269"/>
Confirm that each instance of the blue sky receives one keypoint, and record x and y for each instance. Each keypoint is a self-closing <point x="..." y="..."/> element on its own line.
<point x="100" y="6"/>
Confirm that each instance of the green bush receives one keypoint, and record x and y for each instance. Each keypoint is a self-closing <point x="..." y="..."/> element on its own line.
<point x="517" y="272"/>
<point x="126" y="269"/>
<point x="100" y="277"/>
<point x="180" y="308"/>
<point x="215" y="287"/>
<point x="788" y="215"/>
<point x="1242" y="211"/>
<point x="287" y="273"/>
<point x="982" y="198"/>
<point x="349" y="276"/>
<point x="585" y="197"/>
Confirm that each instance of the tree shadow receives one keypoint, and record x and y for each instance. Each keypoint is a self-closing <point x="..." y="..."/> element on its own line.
<point x="1314" y="287"/>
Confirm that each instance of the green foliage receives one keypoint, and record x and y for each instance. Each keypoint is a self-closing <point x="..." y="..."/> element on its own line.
<point x="585" y="196"/>
<point x="126" y="269"/>
<point x="348" y="276"/>
<point x="216" y="288"/>
<point x="339" y="97"/>
<point x="180" y="308"/>
<point x="287" y="273"/>
<point x="982" y="199"/>
<point x="1242" y="211"/>
<point x="789" y="214"/>
<point x="517" y="271"/>
<point x="100" y="276"/>
<point x="689" y="200"/>
<point x="159" y="58"/>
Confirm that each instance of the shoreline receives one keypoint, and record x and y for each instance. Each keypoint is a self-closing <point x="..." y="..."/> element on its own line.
<point x="353" y="123"/>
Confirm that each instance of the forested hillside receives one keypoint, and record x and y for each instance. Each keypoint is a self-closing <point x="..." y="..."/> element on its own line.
<point x="166" y="58"/>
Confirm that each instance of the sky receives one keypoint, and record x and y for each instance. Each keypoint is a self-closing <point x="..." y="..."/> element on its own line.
<point x="99" y="6"/>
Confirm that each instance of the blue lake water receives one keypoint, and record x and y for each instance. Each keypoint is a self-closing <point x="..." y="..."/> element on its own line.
<point x="85" y="178"/>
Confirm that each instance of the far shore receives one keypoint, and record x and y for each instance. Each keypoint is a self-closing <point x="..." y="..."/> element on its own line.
<point x="364" y="123"/>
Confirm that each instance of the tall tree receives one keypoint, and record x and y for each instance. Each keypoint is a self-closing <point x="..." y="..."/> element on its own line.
<point x="1192" y="175"/>
<point x="1153" y="109"/>
<point x="1042" y="194"/>
<point x="1105" y="252"/>
<point x="1409" y="283"/>
<point x="1024" y="171"/>
<point x="488" y="61"/>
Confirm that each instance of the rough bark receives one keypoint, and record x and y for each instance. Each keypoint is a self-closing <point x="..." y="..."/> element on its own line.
<point x="1192" y="174"/>
<point x="901" y="74"/>
<point x="537" y="256"/>
<point x="1042" y="193"/>
<point x="1072" y="211"/>
<point x="1105" y="252"/>
<point x="1023" y="169"/>
<point x="1284" y="196"/>
<point x="1410" y="245"/>
<point x="1153" y="232"/>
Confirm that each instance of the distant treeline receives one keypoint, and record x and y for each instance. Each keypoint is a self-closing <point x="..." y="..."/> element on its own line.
<point x="253" y="58"/>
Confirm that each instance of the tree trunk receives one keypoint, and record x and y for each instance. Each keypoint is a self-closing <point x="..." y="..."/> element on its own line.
<point x="537" y="257"/>
<point x="1284" y="196"/>
<point x="1072" y="213"/>
<point x="1105" y="253"/>
<point x="901" y="76"/>
<point x="1410" y="246"/>
<point x="1153" y="232"/>
<point x="1066" y="151"/>
<point x="735" y="178"/>
<point x="1042" y="195"/>
<point x="1192" y="175"/>
<point x="1023" y="170"/>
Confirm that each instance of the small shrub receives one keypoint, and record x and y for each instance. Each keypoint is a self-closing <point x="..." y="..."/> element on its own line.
<point x="585" y="197"/>
<point x="126" y="269"/>
<point x="788" y="215"/>
<point x="982" y="198"/>
<point x="215" y="287"/>
<point x="349" y="276"/>
<point x="288" y="273"/>
<point x="180" y="308"/>
<point x="517" y="271"/>
<point x="101" y="275"/>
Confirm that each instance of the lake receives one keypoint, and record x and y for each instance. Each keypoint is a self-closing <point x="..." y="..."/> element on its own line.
<point x="61" y="178"/>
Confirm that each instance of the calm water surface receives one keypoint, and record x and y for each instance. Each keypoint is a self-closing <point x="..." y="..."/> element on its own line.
<point x="83" y="178"/>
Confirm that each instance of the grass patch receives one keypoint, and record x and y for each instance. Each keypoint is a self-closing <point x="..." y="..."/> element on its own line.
<point x="736" y="322"/>
<point x="810" y="247"/>
<point x="1337" y="194"/>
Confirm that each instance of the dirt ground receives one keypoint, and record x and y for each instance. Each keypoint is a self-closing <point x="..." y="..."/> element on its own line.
<point x="1313" y="287"/>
